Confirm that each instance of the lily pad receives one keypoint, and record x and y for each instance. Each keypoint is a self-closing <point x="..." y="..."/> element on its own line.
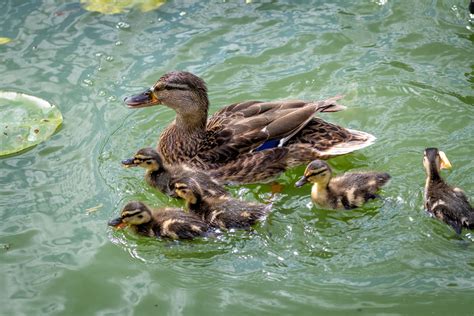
<point x="5" y="40"/>
<point x="25" y="121"/>
<point x="119" y="6"/>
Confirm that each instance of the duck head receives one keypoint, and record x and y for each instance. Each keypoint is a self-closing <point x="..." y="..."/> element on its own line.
<point x="147" y="158"/>
<point x="317" y="171"/>
<point x="180" y="90"/>
<point x="434" y="160"/>
<point x="190" y="191"/>
<point x="134" y="213"/>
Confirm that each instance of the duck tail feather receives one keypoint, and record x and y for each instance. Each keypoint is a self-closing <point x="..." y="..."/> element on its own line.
<point x="330" y="105"/>
<point x="361" y="140"/>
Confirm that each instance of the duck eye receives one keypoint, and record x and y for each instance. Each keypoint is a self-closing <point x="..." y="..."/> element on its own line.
<point x="140" y="216"/>
<point x="148" y="162"/>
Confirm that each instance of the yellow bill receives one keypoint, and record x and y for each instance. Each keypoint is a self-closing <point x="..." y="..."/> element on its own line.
<point x="445" y="164"/>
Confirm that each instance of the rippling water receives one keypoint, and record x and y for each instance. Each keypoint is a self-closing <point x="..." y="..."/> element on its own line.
<point x="406" y="70"/>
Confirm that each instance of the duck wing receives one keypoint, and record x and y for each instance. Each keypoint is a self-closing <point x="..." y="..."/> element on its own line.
<point x="254" y="125"/>
<point x="451" y="206"/>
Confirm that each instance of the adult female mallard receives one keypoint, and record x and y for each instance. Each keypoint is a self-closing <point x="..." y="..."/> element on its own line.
<point x="222" y="212"/>
<point x="448" y="204"/>
<point x="238" y="134"/>
<point x="346" y="191"/>
<point x="167" y="222"/>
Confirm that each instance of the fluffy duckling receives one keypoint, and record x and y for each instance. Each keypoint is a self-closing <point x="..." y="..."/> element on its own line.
<point x="449" y="204"/>
<point x="163" y="177"/>
<point x="168" y="222"/>
<point x="222" y="212"/>
<point x="346" y="191"/>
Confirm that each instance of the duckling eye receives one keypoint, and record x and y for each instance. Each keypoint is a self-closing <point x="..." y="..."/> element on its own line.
<point x="140" y="216"/>
<point x="148" y="162"/>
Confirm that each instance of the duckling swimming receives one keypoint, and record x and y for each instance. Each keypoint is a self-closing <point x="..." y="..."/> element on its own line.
<point x="163" y="177"/>
<point x="222" y="212"/>
<point x="167" y="222"/>
<point x="346" y="191"/>
<point x="449" y="204"/>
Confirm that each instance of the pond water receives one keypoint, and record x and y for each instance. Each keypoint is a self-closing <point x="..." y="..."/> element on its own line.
<point x="406" y="69"/>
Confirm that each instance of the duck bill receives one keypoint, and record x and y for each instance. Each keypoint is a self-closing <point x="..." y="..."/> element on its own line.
<point x="127" y="163"/>
<point x="117" y="223"/>
<point x="445" y="164"/>
<point x="141" y="100"/>
<point x="302" y="181"/>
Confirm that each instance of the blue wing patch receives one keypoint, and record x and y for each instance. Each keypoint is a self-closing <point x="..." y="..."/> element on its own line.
<point x="272" y="143"/>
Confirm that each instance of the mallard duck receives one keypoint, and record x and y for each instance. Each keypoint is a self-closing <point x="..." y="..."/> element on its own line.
<point x="222" y="212"/>
<point x="346" y="191"/>
<point x="167" y="222"/>
<point x="449" y="204"/>
<point x="164" y="177"/>
<point x="244" y="133"/>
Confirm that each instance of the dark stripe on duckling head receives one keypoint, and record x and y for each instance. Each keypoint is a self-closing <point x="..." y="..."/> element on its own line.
<point x="315" y="173"/>
<point x="133" y="208"/>
<point x="317" y="165"/>
<point x="149" y="153"/>
<point x="131" y="213"/>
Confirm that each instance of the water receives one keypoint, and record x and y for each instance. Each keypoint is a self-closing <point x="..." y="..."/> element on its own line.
<point x="406" y="71"/>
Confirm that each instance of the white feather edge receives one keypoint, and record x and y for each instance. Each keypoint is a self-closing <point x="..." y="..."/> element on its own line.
<point x="345" y="148"/>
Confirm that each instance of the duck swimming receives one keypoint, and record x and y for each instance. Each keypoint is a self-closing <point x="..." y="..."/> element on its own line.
<point x="167" y="222"/>
<point x="244" y="133"/>
<point x="222" y="212"/>
<point x="347" y="191"/>
<point x="163" y="177"/>
<point x="449" y="204"/>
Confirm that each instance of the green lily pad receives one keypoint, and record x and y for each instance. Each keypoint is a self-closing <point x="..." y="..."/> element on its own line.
<point x="25" y="121"/>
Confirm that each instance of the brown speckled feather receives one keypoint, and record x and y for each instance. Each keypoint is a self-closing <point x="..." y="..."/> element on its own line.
<point x="449" y="205"/>
<point x="227" y="212"/>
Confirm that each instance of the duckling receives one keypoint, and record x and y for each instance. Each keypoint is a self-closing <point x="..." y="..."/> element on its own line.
<point x="222" y="212"/>
<point x="167" y="222"/>
<point x="236" y="134"/>
<point x="163" y="177"/>
<point x="347" y="191"/>
<point x="449" y="204"/>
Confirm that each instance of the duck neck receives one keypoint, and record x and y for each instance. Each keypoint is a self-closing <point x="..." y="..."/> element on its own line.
<point x="159" y="179"/>
<point x="181" y="140"/>
<point x="192" y="117"/>
<point x="433" y="174"/>
<point x="196" y="207"/>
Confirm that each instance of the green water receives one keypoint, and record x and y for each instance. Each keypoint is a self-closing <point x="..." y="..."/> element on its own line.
<point x="406" y="69"/>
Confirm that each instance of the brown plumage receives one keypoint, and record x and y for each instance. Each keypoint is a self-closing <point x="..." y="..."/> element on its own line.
<point x="244" y="132"/>
<point x="222" y="212"/>
<point x="446" y="203"/>
<point x="163" y="177"/>
<point x="346" y="191"/>
<point x="167" y="222"/>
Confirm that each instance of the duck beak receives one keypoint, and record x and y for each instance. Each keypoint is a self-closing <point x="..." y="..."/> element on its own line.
<point x="129" y="163"/>
<point x="445" y="164"/>
<point x="141" y="100"/>
<point x="302" y="181"/>
<point x="117" y="223"/>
